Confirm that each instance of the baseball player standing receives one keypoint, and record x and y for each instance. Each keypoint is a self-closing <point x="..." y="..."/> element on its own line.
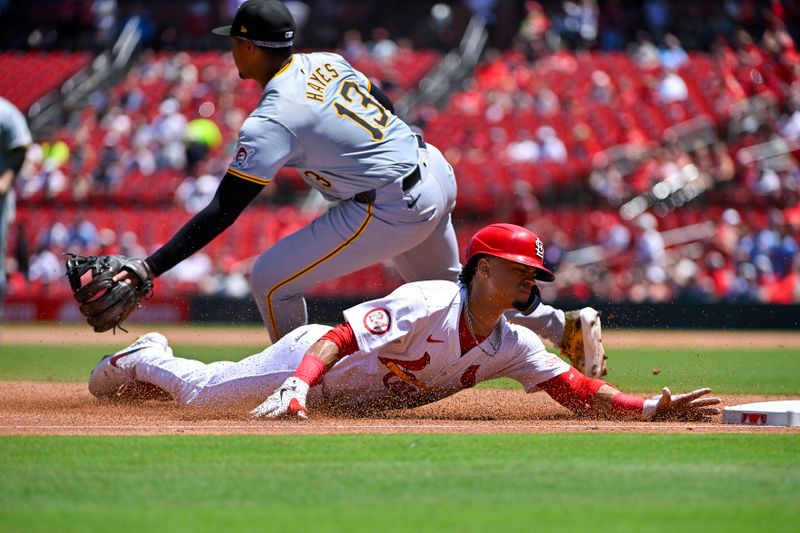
<point x="15" y="137"/>
<point x="395" y="192"/>
<point x="425" y="341"/>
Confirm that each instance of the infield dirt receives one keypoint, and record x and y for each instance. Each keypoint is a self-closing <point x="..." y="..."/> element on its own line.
<point x="69" y="409"/>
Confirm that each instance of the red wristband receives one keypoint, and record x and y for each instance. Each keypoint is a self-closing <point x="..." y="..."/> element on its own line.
<point x="310" y="369"/>
<point x="627" y="404"/>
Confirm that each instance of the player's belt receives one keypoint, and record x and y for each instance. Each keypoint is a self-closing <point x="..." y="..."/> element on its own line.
<point x="368" y="197"/>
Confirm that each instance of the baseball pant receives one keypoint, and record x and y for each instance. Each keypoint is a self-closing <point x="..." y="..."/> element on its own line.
<point x="226" y="384"/>
<point x="410" y="228"/>
<point x="546" y="321"/>
<point x="7" y="208"/>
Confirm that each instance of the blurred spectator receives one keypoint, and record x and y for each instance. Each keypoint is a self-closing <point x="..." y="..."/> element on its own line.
<point x="672" y="55"/>
<point x="189" y="273"/>
<point x="83" y="234"/>
<point x="533" y="30"/>
<point x="644" y="52"/>
<point x="382" y="47"/>
<point x="483" y="9"/>
<point x="607" y="182"/>
<point x="546" y="102"/>
<point x="46" y="268"/>
<point x="578" y="24"/>
<point x="672" y="88"/>
<point x="551" y="147"/>
<point x="129" y="245"/>
<point x="195" y="193"/>
<point x="612" y="26"/>
<point x="656" y="17"/>
<point x="353" y="47"/>
<point x="728" y="231"/>
<point x="524" y="149"/>
<point x="649" y="243"/>
<point x="104" y="13"/>
<point x="525" y="209"/>
<point x="602" y="90"/>
<point x="197" y="23"/>
<point x="129" y="136"/>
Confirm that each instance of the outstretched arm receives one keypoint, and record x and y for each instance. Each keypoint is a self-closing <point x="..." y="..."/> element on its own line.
<point x="582" y="394"/>
<point x="232" y="196"/>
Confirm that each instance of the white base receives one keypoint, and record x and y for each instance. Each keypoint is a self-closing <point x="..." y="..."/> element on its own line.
<point x="779" y="413"/>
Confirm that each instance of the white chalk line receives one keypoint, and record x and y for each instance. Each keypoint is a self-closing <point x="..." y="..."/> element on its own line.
<point x="394" y="427"/>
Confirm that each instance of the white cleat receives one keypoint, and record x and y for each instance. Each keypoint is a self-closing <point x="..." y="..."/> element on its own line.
<point x="115" y="370"/>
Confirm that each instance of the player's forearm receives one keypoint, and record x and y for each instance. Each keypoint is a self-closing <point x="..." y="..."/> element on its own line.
<point x="319" y="358"/>
<point x="381" y="97"/>
<point x="326" y="351"/>
<point x="14" y="160"/>
<point x="322" y="355"/>
<point x="193" y="236"/>
<point x="6" y="181"/>
<point x="582" y="394"/>
<point x="612" y="401"/>
<point x="232" y="196"/>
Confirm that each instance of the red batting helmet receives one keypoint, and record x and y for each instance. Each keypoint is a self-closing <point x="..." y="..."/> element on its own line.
<point x="511" y="242"/>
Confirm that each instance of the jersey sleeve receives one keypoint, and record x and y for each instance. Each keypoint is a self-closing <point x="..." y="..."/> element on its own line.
<point x="532" y="363"/>
<point x="264" y="147"/>
<point x="379" y="322"/>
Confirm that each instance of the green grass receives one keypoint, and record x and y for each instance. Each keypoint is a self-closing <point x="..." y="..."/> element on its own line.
<point x="572" y="482"/>
<point x="45" y="362"/>
<point x="726" y="371"/>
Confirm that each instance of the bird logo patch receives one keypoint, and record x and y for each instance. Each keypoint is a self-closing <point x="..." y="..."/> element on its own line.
<point x="242" y="159"/>
<point x="377" y="321"/>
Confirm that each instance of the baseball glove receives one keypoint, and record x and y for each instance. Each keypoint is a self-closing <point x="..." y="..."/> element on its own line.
<point x="104" y="302"/>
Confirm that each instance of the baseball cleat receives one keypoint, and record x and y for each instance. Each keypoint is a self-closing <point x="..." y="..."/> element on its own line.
<point x="114" y="371"/>
<point x="583" y="342"/>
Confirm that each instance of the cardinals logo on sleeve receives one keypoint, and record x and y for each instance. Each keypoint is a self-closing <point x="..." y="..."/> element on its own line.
<point x="377" y="321"/>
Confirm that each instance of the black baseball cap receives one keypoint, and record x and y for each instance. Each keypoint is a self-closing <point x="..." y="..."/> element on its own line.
<point x="266" y="23"/>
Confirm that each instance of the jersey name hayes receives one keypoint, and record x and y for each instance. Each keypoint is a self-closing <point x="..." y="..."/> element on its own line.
<point x="319" y="80"/>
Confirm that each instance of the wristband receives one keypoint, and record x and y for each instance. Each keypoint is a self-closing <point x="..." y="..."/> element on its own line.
<point x="310" y="369"/>
<point x="623" y="403"/>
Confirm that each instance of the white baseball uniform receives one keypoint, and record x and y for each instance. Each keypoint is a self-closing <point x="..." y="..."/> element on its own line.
<point x="14" y="134"/>
<point x="409" y="354"/>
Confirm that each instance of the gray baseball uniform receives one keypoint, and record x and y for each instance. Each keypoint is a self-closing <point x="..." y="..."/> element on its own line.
<point x="395" y="192"/>
<point x="14" y="134"/>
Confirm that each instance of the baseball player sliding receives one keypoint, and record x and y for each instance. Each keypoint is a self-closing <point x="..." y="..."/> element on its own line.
<point x="423" y="342"/>
<point x="394" y="192"/>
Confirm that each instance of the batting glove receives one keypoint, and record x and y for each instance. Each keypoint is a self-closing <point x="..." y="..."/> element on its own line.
<point x="288" y="400"/>
<point x="689" y="406"/>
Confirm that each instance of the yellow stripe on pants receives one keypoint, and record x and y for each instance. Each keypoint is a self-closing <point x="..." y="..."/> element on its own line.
<point x="319" y="261"/>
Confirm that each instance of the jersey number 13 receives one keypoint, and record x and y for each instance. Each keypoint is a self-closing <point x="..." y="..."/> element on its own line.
<point x="364" y="110"/>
